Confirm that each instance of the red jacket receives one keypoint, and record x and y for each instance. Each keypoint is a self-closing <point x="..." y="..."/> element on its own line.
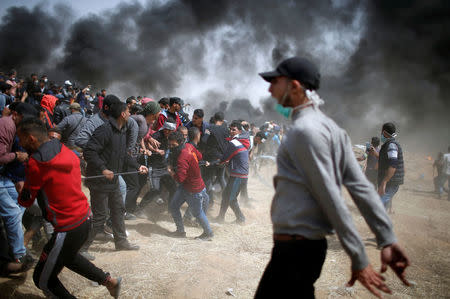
<point x="188" y="171"/>
<point x="55" y="170"/>
<point x="163" y="117"/>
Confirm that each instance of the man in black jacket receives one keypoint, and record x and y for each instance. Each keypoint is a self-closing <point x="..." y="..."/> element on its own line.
<point x="106" y="154"/>
<point x="61" y="110"/>
<point x="215" y="146"/>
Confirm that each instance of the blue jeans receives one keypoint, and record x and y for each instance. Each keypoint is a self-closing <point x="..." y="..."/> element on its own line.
<point x="229" y="198"/>
<point x="12" y="213"/>
<point x="388" y="195"/>
<point x="198" y="204"/>
<point x="123" y="188"/>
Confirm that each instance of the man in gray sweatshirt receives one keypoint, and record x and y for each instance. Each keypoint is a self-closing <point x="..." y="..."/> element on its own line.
<point x="314" y="160"/>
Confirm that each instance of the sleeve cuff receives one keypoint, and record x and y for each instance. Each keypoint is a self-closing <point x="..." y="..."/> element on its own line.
<point x="360" y="262"/>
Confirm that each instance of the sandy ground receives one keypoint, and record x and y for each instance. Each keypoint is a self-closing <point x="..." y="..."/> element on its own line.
<point x="165" y="267"/>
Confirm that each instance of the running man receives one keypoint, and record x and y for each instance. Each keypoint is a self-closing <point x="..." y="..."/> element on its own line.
<point x="53" y="176"/>
<point x="314" y="160"/>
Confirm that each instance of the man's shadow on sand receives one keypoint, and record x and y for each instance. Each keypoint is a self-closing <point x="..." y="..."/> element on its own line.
<point x="9" y="285"/>
<point x="146" y="229"/>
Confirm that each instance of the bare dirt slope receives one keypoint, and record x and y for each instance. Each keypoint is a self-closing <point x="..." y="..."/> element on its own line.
<point x="186" y="268"/>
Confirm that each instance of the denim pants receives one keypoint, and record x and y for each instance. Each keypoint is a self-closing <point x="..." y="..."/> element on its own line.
<point x="229" y="197"/>
<point x="123" y="188"/>
<point x="389" y="194"/>
<point x="12" y="213"/>
<point x="198" y="204"/>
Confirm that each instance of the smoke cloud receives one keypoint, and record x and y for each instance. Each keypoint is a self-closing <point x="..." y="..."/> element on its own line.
<point x="380" y="61"/>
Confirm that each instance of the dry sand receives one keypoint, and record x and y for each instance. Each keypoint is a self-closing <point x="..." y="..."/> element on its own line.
<point x="165" y="267"/>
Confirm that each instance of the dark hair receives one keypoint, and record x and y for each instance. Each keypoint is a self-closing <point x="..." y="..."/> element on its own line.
<point x="136" y="109"/>
<point x="375" y="141"/>
<point x="55" y="129"/>
<point x="219" y="116"/>
<point x="4" y="86"/>
<point x="176" y="136"/>
<point x="130" y="99"/>
<point x="108" y="101"/>
<point x="389" y="128"/>
<point x="33" y="126"/>
<point x="199" y="113"/>
<point x="261" y="135"/>
<point x="236" y="124"/>
<point x="13" y="106"/>
<point x="12" y="72"/>
<point x="192" y="132"/>
<point x="26" y="109"/>
<point x="116" y="109"/>
<point x="103" y="90"/>
<point x="174" y="100"/>
<point x="246" y="126"/>
<point x="164" y="101"/>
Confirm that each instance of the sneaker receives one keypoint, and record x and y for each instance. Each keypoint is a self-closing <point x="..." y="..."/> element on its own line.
<point x="160" y="201"/>
<point x="103" y="237"/>
<point x="108" y="230"/>
<point x="240" y="221"/>
<point x="115" y="290"/>
<point x="125" y="245"/>
<point x="87" y="255"/>
<point x="177" y="234"/>
<point x="27" y="262"/>
<point x="205" y="236"/>
<point x="129" y="216"/>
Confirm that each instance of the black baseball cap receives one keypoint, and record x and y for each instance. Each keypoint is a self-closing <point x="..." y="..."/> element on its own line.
<point x="296" y="68"/>
<point x="26" y="109"/>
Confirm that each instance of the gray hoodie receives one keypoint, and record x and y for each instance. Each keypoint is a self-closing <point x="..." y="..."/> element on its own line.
<point x="315" y="160"/>
<point x="96" y="121"/>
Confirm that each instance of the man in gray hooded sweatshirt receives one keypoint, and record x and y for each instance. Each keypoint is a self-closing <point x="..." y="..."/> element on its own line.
<point x="314" y="160"/>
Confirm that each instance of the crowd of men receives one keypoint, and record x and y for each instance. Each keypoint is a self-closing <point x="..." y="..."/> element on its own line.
<point x="52" y="135"/>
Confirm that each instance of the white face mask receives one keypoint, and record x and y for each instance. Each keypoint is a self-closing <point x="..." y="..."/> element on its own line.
<point x="313" y="99"/>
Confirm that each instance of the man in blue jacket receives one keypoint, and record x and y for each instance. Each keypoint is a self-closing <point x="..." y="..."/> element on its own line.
<point x="236" y="155"/>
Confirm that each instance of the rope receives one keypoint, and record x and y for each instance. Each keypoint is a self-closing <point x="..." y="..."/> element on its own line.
<point x="102" y="176"/>
<point x="89" y="177"/>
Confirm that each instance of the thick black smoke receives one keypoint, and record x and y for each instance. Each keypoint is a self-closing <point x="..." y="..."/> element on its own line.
<point x="400" y="72"/>
<point x="387" y="60"/>
<point x="29" y="37"/>
<point x="151" y="46"/>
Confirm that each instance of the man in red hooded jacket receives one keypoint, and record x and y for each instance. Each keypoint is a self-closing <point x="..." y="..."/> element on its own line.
<point x="53" y="176"/>
<point x="186" y="171"/>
